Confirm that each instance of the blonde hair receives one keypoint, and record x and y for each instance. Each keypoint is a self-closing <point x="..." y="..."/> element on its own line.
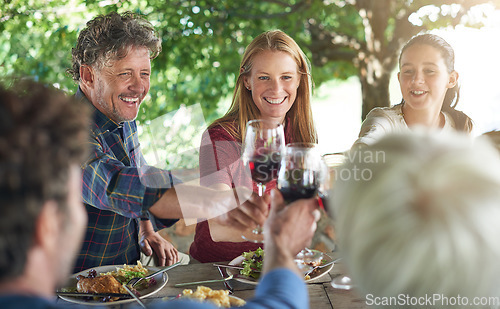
<point x="243" y="108"/>
<point x="426" y="222"/>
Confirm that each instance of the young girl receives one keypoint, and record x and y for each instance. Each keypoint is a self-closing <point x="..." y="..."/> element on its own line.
<point x="274" y="84"/>
<point x="429" y="85"/>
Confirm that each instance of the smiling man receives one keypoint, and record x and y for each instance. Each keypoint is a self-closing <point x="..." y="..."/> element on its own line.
<point x="112" y="65"/>
<point x="114" y="78"/>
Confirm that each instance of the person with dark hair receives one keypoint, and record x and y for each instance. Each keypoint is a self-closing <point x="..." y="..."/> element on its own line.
<point x="429" y="85"/>
<point x="112" y="65"/>
<point x="43" y="141"/>
<point x="274" y="83"/>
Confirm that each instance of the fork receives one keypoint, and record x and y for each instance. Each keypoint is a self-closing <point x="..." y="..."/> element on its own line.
<point x="205" y="281"/>
<point x="226" y="284"/>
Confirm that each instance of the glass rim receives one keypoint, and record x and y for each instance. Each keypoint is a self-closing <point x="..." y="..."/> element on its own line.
<point x="306" y="145"/>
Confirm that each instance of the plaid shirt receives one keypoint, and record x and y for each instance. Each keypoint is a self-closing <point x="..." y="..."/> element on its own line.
<point x="115" y="195"/>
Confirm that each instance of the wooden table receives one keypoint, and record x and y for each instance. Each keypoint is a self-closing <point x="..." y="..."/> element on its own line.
<point x="321" y="293"/>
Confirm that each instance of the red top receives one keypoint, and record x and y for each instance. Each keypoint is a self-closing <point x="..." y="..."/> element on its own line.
<point x="220" y="162"/>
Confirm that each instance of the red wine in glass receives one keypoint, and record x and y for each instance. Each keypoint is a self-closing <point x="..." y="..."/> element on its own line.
<point x="293" y="193"/>
<point x="264" y="167"/>
<point x="300" y="177"/>
<point x="262" y="148"/>
<point x="298" y="184"/>
<point x="323" y="202"/>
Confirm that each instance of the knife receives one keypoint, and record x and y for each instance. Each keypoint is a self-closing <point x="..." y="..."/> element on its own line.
<point x="77" y="294"/>
<point x="206" y="281"/>
<point x="134" y="296"/>
<point x="233" y="266"/>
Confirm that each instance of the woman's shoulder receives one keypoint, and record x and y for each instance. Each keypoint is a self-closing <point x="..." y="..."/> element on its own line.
<point x="222" y="131"/>
<point x="388" y="117"/>
<point x="388" y="112"/>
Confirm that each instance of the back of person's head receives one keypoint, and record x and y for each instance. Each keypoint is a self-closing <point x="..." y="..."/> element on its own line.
<point x="42" y="134"/>
<point x="494" y="136"/>
<point x="462" y="121"/>
<point x="243" y="106"/>
<point x="109" y="37"/>
<point x="421" y="218"/>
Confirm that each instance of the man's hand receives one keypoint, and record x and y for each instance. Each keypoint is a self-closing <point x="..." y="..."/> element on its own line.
<point x="248" y="215"/>
<point x="288" y="230"/>
<point x="152" y="242"/>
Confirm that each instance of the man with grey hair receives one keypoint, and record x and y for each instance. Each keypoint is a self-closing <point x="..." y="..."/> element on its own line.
<point x="112" y="65"/>
<point x="423" y="231"/>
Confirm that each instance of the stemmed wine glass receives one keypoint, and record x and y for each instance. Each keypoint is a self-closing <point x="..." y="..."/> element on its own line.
<point x="302" y="173"/>
<point x="262" y="148"/>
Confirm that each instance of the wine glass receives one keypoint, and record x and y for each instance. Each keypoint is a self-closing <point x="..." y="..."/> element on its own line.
<point x="301" y="175"/>
<point x="262" y="148"/>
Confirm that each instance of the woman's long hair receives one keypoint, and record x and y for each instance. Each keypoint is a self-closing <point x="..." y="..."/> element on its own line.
<point x="243" y="108"/>
<point x="462" y="121"/>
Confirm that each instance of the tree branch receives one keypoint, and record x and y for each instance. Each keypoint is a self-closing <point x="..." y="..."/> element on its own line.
<point x="300" y="5"/>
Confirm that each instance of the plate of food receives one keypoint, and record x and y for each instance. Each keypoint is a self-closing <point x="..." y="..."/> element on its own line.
<point x="251" y="262"/>
<point x="110" y="279"/>
<point x="220" y="298"/>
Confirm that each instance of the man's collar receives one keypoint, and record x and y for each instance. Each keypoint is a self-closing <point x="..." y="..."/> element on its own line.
<point x="102" y="121"/>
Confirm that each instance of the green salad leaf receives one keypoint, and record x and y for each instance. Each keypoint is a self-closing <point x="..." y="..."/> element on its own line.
<point x="252" y="264"/>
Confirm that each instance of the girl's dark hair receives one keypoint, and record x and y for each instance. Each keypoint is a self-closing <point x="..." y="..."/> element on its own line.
<point x="462" y="121"/>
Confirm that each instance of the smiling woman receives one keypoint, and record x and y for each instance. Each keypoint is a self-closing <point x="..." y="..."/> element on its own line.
<point x="429" y="86"/>
<point x="274" y="83"/>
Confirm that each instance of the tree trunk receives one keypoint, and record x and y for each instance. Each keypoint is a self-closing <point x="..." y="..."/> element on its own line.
<point x="374" y="93"/>
<point x="374" y="75"/>
<point x="377" y="60"/>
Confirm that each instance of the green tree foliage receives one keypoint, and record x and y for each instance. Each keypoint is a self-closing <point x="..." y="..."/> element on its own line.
<point x="203" y="41"/>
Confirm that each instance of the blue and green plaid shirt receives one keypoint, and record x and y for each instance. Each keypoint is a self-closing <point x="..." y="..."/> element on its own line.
<point x="115" y="195"/>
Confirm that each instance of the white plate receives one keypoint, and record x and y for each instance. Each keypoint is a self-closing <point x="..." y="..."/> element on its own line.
<point x="235" y="299"/>
<point x="161" y="281"/>
<point x="237" y="262"/>
<point x="232" y="299"/>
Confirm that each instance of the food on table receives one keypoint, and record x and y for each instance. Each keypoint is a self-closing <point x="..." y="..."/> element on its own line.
<point x="113" y="281"/>
<point x="252" y="264"/>
<point x="99" y="284"/>
<point x="315" y="270"/>
<point x="220" y="298"/>
<point x="127" y="272"/>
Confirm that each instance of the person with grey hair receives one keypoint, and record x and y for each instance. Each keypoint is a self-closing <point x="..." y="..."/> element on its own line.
<point x="112" y="65"/>
<point x="422" y="230"/>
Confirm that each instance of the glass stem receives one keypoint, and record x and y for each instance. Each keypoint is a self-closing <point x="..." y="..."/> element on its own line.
<point x="262" y="188"/>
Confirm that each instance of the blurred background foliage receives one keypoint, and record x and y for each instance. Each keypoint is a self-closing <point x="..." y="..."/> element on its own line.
<point x="203" y="41"/>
